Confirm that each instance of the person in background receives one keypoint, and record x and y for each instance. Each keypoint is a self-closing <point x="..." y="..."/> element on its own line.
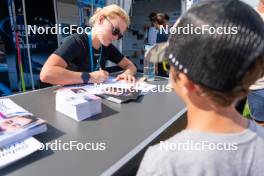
<point x="256" y="95"/>
<point x="2" y="50"/>
<point x="210" y="77"/>
<point x="82" y="57"/>
<point x="151" y="34"/>
<point x="162" y="20"/>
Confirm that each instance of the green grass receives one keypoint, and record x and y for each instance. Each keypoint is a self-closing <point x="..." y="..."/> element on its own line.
<point x="246" y="112"/>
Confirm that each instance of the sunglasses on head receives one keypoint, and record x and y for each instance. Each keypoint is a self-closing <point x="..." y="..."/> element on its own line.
<point x="115" y="30"/>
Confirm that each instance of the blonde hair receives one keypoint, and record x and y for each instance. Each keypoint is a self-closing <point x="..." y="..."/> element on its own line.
<point x="110" y="11"/>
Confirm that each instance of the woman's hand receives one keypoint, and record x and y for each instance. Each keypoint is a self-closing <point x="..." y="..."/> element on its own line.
<point x="98" y="76"/>
<point x="127" y="77"/>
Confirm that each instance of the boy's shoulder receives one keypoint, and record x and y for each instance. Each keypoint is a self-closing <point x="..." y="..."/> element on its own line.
<point x="157" y="157"/>
<point x="184" y="148"/>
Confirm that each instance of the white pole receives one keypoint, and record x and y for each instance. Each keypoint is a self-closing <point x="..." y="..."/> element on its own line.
<point x="183" y="6"/>
<point x="56" y="19"/>
<point x="27" y="44"/>
<point x="121" y="41"/>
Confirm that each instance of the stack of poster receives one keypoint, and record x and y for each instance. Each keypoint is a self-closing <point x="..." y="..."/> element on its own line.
<point x="17" y="126"/>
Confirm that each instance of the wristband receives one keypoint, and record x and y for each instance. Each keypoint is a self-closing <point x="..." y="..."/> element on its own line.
<point x="85" y="77"/>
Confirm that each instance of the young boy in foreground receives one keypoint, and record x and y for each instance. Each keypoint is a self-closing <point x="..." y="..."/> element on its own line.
<point x="211" y="72"/>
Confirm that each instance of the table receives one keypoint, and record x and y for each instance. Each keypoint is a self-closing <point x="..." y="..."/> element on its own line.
<point x="126" y="129"/>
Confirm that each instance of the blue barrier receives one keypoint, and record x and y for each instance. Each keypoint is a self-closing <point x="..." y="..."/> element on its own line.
<point x="5" y="90"/>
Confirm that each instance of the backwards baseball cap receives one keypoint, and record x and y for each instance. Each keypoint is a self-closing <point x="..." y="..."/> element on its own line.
<point x="215" y="60"/>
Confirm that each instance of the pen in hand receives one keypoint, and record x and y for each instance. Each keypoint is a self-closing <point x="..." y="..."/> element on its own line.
<point x="105" y="72"/>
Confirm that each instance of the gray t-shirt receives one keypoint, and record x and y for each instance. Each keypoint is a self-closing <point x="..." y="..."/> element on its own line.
<point x="192" y="153"/>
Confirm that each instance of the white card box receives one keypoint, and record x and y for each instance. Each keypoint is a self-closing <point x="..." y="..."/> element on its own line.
<point x="78" y="105"/>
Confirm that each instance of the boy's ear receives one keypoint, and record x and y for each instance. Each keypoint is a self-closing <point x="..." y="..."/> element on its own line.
<point x="187" y="85"/>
